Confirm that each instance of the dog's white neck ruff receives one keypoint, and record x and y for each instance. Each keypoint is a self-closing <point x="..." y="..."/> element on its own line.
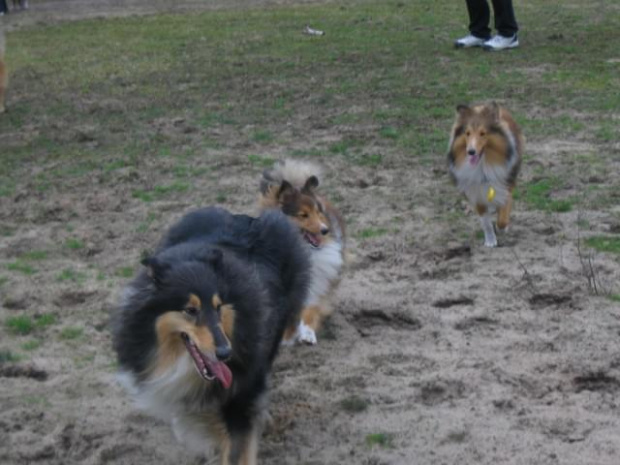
<point x="474" y="181"/>
<point x="327" y="264"/>
<point x="177" y="395"/>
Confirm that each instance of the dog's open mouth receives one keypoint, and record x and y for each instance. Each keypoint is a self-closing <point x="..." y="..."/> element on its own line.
<point x="313" y="239"/>
<point x="207" y="368"/>
<point x="474" y="159"/>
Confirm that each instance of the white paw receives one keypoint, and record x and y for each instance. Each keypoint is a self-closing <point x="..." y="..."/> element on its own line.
<point x="305" y="334"/>
<point x="490" y="243"/>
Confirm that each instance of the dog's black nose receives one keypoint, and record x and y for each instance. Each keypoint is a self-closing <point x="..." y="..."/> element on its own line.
<point x="471" y="152"/>
<point x="324" y="231"/>
<point x="223" y="353"/>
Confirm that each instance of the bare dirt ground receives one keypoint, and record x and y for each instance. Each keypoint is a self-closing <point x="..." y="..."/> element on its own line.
<point x="440" y="351"/>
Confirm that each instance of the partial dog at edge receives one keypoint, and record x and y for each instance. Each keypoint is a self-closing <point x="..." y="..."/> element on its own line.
<point x="4" y="77"/>
<point x="291" y="186"/>
<point x="198" y="329"/>
<point x="485" y="151"/>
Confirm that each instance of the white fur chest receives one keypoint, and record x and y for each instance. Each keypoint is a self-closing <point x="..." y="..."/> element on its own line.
<point x="326" y="266"/>
<point x="474" y="181"/>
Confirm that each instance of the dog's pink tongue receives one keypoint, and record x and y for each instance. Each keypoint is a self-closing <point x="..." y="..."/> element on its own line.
<point x="473" y="159"/>
<point x="221" y="371"/>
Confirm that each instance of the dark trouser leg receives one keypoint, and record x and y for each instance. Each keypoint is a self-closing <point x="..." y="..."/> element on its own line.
<point x="3" y="7"/>
<point x="505" y="21"/>
<point x="479" y="17"/>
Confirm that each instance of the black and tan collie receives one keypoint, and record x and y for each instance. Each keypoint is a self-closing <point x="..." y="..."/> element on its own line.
<point x="198" y="329"/>
<point x="484" y="159"/>
<point x="291" y="186"/>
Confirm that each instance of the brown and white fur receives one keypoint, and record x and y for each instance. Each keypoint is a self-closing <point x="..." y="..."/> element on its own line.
<point x="485" y="150"/>
<point x="4" y="78"/>
<point x="291" y="186"/>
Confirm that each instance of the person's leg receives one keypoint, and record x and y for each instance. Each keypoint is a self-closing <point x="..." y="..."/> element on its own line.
<point x="479" y="17"/>
<point x="3" y="7"/>
<point x="505" y="21"/>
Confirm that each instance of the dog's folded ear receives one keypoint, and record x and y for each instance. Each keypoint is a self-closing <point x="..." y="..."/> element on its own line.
<point x="311" y="183"/>
<point x="494" y="110"/>
<point x="286" y="190"/>
<point x="155" y="269"/>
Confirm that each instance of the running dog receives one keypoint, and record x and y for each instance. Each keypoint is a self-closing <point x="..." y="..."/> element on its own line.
<point x="291" y="186"/>
<point x="484" y="158"/>
<point x="198" y="329"/>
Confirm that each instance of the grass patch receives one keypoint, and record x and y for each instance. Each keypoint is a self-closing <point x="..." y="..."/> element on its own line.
<point x="159" y="192"/>
<point x="262" y="137"/>
<point x="45" y="320"/>
<point x="34" y="255"/>
<point x="538" y="195"/>
<point x="74" y="244"/>
<point x="257" y="160"/>
<point x="71" y="332"/>
<point x="383" y="440"/>
<point x="125" y="272"/>
<point x="354" y="404"/>
<point x="614" y="297"/>
<point x="604" y="244"/>
<point x="69" y="274"/>
<point x="31" y="345"/>
<point x="369" y="233"/>
<point x="21" y="267"/>
<point x="19" y="325"/>
<point x="7" y="356"/>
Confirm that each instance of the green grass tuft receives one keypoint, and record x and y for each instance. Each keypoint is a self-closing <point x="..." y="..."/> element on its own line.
<point x="22" y="267"/>
<point x="71" y="332"/>
<point x="604" y="244"/>
<point x="20" y="325"/>
<point x="354" y="404"/>
<point x="31" y="345"/>
<point x="34" y="255"/>
<point x="383" y="440"/>
<point x="369" y="233"/>
<point x="74" y="244"/>
<point x="538" y="195"/>
<point x="257" y="160"/>
<point x="7" y="356"/>
<point x="125" y="272"/>
<point x="45" y="320"/>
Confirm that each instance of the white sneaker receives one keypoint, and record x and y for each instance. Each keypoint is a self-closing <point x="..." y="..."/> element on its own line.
<point x="469" y="41"/>
<point x="498" y="42"/>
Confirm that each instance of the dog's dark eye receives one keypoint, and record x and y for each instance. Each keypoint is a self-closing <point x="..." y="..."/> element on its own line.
<point x="303" y="215"/>
<point x="191" y="311"/>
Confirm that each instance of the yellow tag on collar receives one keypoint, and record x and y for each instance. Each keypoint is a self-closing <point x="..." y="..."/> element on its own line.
<point x="490" y="194"/>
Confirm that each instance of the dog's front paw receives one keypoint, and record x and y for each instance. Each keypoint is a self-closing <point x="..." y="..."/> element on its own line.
<point x="305" y="334"/>
<point x="490" y="243"/>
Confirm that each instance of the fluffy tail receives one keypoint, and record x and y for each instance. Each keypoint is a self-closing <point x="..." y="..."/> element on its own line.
<point x="294" y="172"/>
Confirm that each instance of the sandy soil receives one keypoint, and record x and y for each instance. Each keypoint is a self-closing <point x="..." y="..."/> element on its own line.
<point x="457" y="353"/>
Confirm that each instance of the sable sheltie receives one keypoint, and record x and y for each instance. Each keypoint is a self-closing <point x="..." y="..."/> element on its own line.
<point x="291" y="186"/>
<point x="4" y="78"/>
<point x="197" y="330"/>
<point x="484" y="159"/>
